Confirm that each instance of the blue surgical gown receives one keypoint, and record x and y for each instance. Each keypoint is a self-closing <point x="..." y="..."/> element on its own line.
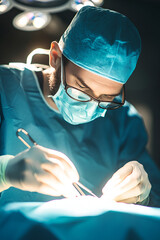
<point x="97" y="148"/>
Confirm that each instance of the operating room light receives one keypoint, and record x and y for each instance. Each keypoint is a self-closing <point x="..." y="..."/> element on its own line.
<point x="42" y="5"/>
<point x="5" y="5"/>
<point x="31" y="21"/>
<point x="97" y="2"/>
<point x="78" y="4"/>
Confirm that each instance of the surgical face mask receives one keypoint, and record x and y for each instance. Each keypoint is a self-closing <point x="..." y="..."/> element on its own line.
<point x="75" y="112"/>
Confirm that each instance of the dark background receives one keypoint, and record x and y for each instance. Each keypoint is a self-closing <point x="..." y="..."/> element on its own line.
<point x="143" y="86"/>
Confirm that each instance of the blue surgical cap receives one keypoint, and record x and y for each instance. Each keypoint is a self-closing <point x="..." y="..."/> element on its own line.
<point x="102" y="41"/>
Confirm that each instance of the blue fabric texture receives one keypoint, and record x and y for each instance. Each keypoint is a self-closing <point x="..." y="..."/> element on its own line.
<point x="102" y="41"/>
<point x="66" y="219"/>
<point x="97" y="148"/>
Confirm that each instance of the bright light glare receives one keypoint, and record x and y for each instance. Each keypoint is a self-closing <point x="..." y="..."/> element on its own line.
<point x="22" y="22"/>
<point x="5" y="5"/>
<point x="31" y="21"/>
<point x="98" y="2"/>
<point x="83" y="206"/>
<point x="38" y="22"/>
<point x="3" y="8"/>
<point x="78" y="4"/>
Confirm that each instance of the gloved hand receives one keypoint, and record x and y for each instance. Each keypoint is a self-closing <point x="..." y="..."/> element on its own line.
<point x="4" y="159"/>
<point x="130" y="184"/>
<point x="42" y="170"/>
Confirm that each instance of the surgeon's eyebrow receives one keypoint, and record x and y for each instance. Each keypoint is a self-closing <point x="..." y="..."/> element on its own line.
<point x="112" y="95"/>
<point x="82" y="81"/>
<point x="102" y="95"/>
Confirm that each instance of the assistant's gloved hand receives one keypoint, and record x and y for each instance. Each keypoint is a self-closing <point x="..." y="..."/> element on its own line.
<point x="130" y="184"/>
<point x="3" y="164"/>
<point x="42" y="170"/>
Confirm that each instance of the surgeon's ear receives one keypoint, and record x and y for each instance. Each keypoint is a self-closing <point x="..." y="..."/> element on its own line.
<point x="55" y="55"/>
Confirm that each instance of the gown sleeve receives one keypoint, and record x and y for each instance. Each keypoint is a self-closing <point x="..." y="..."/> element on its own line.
<point x="3" y="158"/>
<point x="133" y="140"/>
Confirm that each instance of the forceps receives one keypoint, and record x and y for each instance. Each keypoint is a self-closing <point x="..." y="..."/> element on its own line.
<point x="77" y="185"/>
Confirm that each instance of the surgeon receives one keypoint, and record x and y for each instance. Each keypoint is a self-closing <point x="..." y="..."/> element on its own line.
<point x="77" y="114"/>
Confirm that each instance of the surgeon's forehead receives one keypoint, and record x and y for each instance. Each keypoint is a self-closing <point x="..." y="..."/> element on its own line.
<point x="92" y="79"/>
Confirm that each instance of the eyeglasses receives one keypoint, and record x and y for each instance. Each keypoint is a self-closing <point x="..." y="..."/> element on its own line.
<point x="81" y="96"/>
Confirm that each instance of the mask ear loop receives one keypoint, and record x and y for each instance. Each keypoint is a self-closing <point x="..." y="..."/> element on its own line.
<point x="62" y="71"/>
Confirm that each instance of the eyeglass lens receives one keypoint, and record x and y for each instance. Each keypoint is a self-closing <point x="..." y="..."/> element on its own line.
<point x="83" y="97"/>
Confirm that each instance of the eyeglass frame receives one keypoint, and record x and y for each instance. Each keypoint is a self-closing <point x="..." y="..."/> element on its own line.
<point x="66" y="86"/>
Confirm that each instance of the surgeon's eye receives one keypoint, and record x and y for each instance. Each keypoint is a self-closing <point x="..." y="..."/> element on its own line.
<point x="110" y="98"/>
<point x="80" y="85"/>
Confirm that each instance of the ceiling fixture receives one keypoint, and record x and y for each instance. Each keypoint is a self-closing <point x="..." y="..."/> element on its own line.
<point x="36" y="12"/>
<point x="5" y="6"/>
<point x="31" y="21"/>
<point x="78" y="4"/>
<point x="42" y="5"/>
<point x="98" y="2"/>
